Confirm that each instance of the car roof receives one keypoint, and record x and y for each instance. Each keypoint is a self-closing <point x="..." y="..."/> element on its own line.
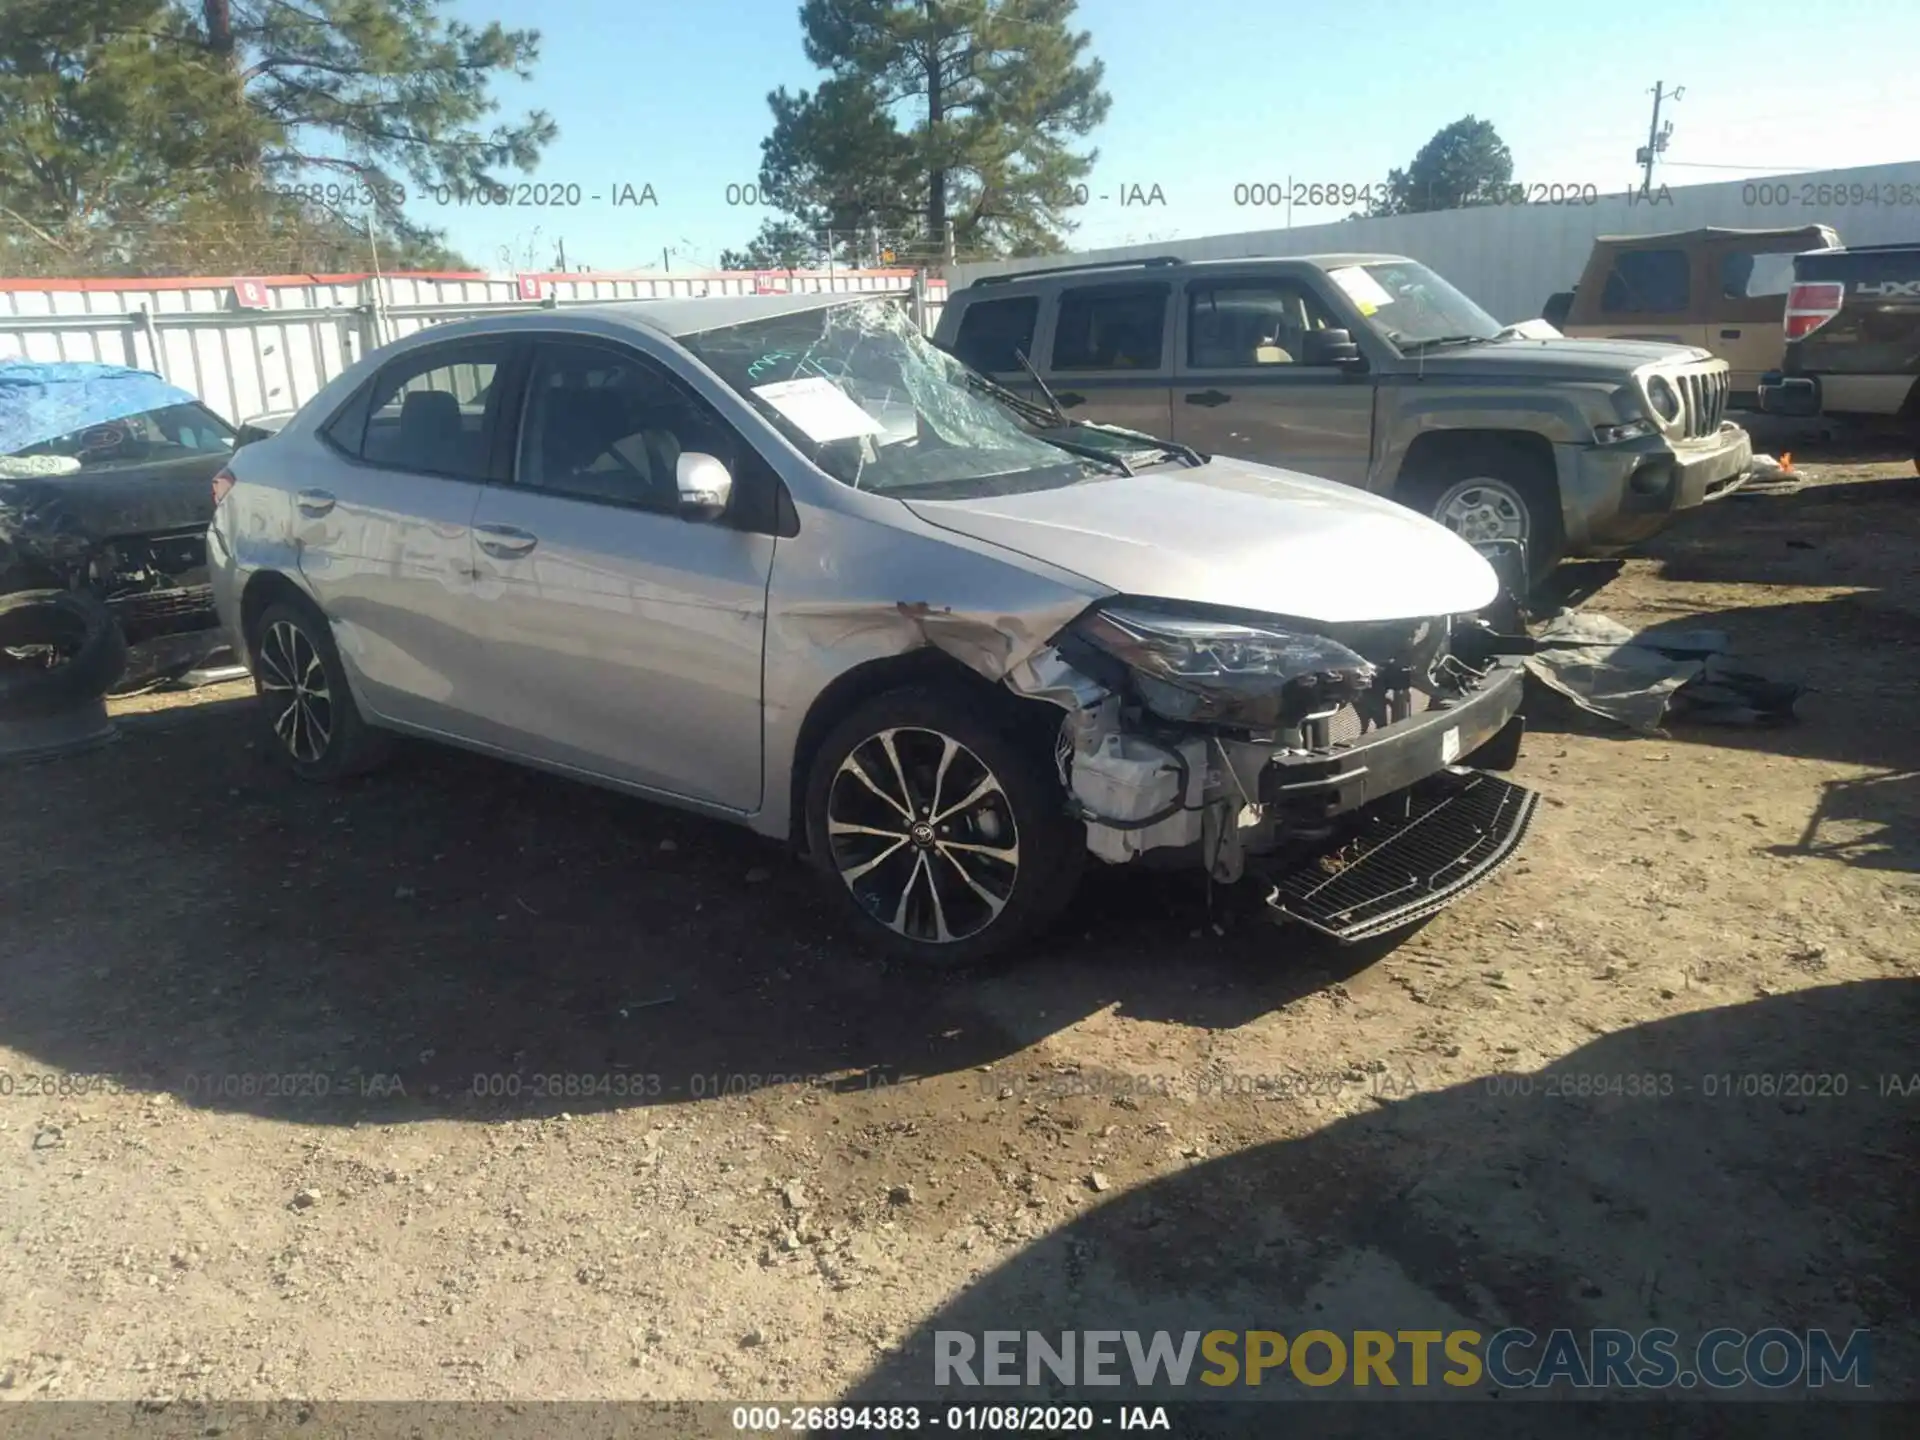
<point x="1712" y="232"/>
<point x="1126" y="270"/>
<point x="674" y="318"/>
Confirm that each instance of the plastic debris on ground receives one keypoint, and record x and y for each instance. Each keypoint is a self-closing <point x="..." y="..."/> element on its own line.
<point x="1641" y="679"/>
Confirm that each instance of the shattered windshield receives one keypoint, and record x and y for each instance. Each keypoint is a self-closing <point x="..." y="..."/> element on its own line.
<point x="1413" y="307"/>
<point x="168" y="433"/>
<point x="871" y="401"/>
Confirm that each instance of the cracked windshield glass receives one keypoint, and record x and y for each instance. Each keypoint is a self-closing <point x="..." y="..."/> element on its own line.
<point x="880" y="408"/>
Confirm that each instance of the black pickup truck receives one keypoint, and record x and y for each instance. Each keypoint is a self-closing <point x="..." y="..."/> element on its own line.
<point x="1853" y="339"/>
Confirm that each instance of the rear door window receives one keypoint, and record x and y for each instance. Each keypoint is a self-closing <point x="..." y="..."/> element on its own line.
<point x="1114" y="327"/>
<point x="1648" y="282"/>
<point x="429" y="411"/>
<point x="995" y="333"/>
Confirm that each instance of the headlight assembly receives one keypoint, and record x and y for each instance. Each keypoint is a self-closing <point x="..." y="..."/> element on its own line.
<point x="1664" y="399"/>
<point x="1204" y="671"/>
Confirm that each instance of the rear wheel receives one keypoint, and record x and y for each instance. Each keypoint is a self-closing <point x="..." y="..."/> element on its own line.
<point x="1495" y="495"/>
<point x="312" y="725"/>
<point x="948" y="836"/>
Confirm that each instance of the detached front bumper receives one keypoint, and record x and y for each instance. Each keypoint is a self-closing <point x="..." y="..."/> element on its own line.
<point x="1617" y="494"/>
<point x="1312" y="788"/>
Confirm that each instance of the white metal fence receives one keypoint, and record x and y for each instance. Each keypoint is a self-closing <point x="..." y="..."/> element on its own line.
<point x="247" y="346"/>
<point x="1510" y="258"/>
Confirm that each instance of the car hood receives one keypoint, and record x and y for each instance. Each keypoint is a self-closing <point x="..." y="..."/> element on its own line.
<point x="1556" y="359"/>
<point x="1237" y="535"/>
<point x="57" y="518"/>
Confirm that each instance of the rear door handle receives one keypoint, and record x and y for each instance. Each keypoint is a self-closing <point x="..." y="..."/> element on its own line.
<point x="1729" y="334"/>
<point x="505" y="542"/>
<point x="314" y="503"/>
<point x="1069" y="400"/>
<point x="1209" y="397"/>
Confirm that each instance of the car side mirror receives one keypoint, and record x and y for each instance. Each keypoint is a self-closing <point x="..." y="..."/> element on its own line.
<point x="705" y="484"/>
<point x="1331" y="347"/>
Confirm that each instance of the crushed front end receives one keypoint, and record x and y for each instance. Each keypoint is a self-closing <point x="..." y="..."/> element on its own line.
<point x="1347" y="765"/>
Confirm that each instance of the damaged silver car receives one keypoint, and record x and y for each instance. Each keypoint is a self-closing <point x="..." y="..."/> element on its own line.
<point x="779" y="560"/>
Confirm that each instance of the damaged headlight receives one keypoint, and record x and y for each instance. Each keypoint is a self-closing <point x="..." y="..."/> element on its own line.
<point x="1204" y="671"/>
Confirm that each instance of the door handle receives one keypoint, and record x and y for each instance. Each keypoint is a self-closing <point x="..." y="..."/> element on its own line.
<point x="505" y="542"/>
<point x="314" y="503"/>
<point x="1069" y="400"/>
<point x="1729" y="334"/>
<point x="1208" y="397"/>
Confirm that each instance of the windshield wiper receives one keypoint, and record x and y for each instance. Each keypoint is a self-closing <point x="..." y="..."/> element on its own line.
<point x="1060" y="417"/>
<point x="1043" y="418"/>
<point x="1415" y="347"/>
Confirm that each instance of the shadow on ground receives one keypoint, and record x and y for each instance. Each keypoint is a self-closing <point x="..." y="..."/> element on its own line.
<point x="182" y="914"/>
<point x="1556" y="1199"/>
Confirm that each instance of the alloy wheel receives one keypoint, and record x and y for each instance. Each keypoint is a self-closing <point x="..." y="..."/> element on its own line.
<point x="1479" y="511"/>
<point x="922" y="832"/>
<point x="293" y="684"/>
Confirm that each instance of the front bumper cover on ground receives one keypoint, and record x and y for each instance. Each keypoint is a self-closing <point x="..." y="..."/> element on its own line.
<point x="1408" y="856"/>
<point x="1416" y="829"/>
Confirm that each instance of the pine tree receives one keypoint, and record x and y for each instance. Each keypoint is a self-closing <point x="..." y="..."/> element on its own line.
<point x="1465" y="163"/>
<point x="936" y="112"/>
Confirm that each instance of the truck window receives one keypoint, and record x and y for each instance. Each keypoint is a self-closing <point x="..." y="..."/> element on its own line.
<point x="1111" y="328"/>
<point x="1647" y="282"/>
<point x="1749" y="275"/>
<point x="1240" y="326"/>
<point x="991" y="331"/>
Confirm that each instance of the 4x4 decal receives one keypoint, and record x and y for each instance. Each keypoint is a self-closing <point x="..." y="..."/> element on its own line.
<point x="1888" y="289"/>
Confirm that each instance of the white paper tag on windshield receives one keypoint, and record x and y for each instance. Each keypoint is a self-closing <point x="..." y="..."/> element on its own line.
<point x="1365" y="291"/>
<point x="821" y="409"/>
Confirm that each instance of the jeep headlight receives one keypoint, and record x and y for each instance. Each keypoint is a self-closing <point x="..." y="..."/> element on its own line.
<point x="1664" y="399"/>
<point x="1199" y="670"/>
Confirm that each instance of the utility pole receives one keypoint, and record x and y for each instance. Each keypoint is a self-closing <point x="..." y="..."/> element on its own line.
<point x="560" y="260"/>
<point x="1656" y="137"/>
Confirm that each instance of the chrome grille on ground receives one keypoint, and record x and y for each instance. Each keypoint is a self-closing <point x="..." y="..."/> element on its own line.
<point x="1413" y="853"/>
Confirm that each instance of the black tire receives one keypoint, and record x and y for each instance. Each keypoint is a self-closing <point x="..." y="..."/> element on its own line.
<point x="986" y="904"/>
<point x="78" y="652"/>
<point x="307" y="714"/>
<point x="1497" y="483"/>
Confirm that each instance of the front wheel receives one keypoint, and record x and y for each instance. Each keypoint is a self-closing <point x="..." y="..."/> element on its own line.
<point x="306" y="710"/>
<point x="1496" y="497"/>
<point x="948" y="836"/>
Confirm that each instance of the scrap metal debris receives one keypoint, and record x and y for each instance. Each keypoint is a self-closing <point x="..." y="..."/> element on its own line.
<point x="1640" y="678"/>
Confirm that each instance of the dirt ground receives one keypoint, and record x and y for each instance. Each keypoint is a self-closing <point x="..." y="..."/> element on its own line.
<point x="719" y="1153"/>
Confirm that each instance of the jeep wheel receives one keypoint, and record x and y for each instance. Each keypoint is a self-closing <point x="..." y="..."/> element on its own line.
<point x="1495" y="496"/>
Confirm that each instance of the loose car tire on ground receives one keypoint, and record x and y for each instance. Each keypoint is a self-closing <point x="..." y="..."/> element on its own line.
<point x="312" y="725"/>
<point x="1494" y="494"/>
<point x="933" y="819"/>
<point x="92" y="652"/>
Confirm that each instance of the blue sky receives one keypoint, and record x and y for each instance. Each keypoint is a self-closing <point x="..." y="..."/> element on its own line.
<point x="1208" y="94"/>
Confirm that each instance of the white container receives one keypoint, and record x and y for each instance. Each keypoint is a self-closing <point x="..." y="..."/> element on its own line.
<point x="1126" y="778"/>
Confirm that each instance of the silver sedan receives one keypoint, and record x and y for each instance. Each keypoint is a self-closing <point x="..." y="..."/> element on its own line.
<point x="781" y="561"/>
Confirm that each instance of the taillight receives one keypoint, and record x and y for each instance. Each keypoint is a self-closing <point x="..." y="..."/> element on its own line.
<point x="222" y="483"/>
<point x="1811" y="306"/>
